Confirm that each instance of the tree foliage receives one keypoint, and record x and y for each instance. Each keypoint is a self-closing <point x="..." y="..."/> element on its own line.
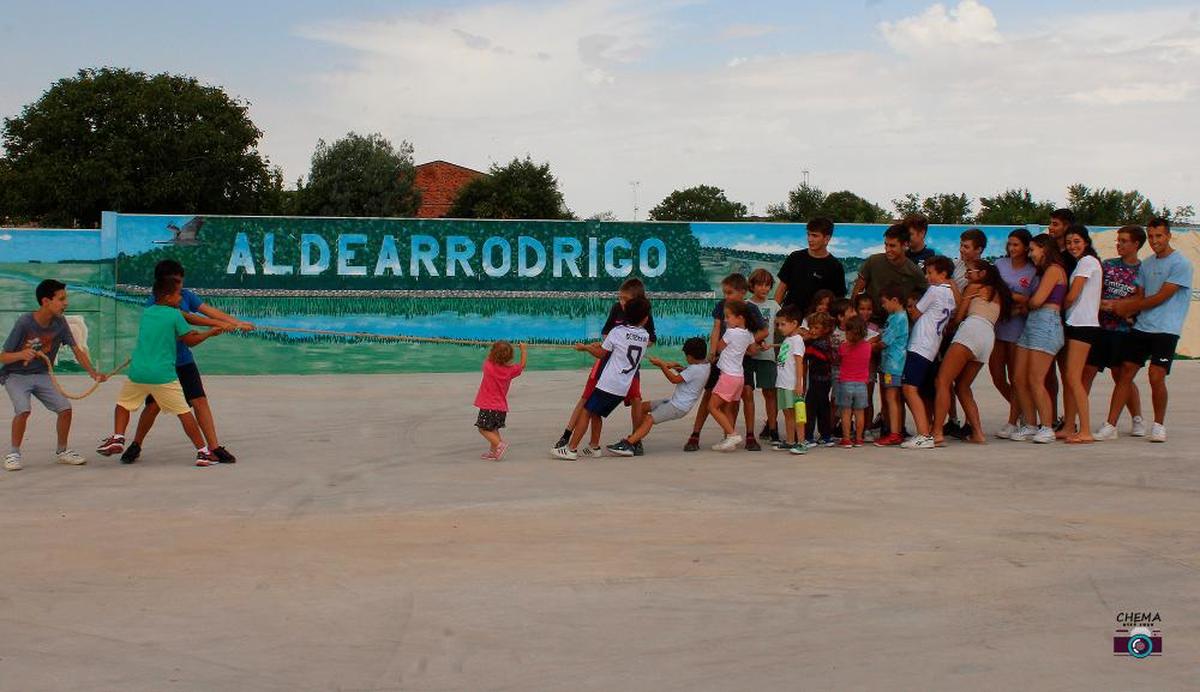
<point x="1013" y="207"/>
<point x="943" y="207"/>
<point x="1112" y="207"/>
<point x="806" y="202"/>
<point x="699" y="203"/>
<point x="360" y="176"/>
<point x="520" y="189"/>
<point x="115" y="139"/>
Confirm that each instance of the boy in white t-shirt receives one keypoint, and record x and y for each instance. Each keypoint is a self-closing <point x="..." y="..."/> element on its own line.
<point x="790" y="379"/>
<point x="621" y="352"/>
<point x="689" y="385"/>
<point x="733" y="345"/>
<point x="932" y="313"/>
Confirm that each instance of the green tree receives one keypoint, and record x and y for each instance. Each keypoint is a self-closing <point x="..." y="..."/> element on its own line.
<point x="115" y="139"/>
<point x="1105" y="207"/>
<point x="360" y="176"/>
<point x="700" y="203"/>
<point x="1013" y="207"/>
<point x="803" y="203"/>
<point x="940" y="208"/>
<point x="847" y="207"/>
<point x="520" y="189"/>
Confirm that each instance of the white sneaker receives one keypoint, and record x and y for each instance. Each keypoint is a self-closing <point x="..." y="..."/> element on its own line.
<point x="918" y="442"/>
<point x="590" y="452"/>
<point x="729" y="444"/>
<point x="1023" y="433"/>
<point x="564" y="454"/>
<point x="1006" y="431"/>
<point x="12" y="462"/>
<point x="1106" y="432"/>
<point x="1139" y="427"/>
<point x="1158" y="433"/>
<point x="1044" y="435"/>
<point x="71" y="458"/>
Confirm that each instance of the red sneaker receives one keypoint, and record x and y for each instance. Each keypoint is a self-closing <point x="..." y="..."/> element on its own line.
<point x="846" y="443"/>
<point x="111" y="445"/>
<point x="890" y="440"/>
<point x="858" y="442"/>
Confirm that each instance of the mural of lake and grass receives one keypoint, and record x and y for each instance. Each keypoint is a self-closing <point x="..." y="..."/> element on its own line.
<point x="541" y="282"/>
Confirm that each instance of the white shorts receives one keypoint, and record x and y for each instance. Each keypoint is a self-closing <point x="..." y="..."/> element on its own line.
<point x="663" y="410"/>
<point x="978" y="336"/>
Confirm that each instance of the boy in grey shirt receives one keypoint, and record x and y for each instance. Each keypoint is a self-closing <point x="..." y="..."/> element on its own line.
<point x="25" y="375"/>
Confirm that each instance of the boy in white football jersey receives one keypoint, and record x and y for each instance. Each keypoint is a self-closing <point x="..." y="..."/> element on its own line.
<point x="621" y="353"/>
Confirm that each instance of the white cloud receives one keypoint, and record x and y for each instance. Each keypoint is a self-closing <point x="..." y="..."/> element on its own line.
<point x="769" y="248"/>
<point x="968" y="23"/>
<point x="735" y="32"/>
<point x="949" y="103"/>
<point x="872" y="250"/>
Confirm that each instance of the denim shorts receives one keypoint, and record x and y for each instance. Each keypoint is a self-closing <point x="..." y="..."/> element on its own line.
<point x="1043" y="332"/>
<point x="852" y="395"/>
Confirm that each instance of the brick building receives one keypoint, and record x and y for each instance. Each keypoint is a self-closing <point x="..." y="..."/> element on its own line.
<point x="439" y="183"/>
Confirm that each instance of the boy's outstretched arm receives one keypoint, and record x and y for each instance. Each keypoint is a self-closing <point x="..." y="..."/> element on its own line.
<point x="201" y="321"/>
<point x="82" y="357"/>
<point x="197" y="338"/>
<point x="668" y="370"/>
<point x="595" y="349"/>
<point x="524" y="354"/>
<point x="225" y="318"/>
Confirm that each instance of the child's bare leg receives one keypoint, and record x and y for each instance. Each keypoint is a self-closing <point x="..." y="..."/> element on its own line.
<point x="789" y="429"/>
<point x="912" y="396"/>
<point x="579" y="431"/>
<point x="748" y="405"/>
<point x="716" y="407"/>
<point x="845" y="423"/>
<point x="597" y="426"/>
<point x="145" y="422"/>
<point x="190" y="427"/>
<point x="702" y="412"/>
<point x="64" y="428"/>
<point x="895" y="411"/>
<point x="636" y="412"/>
<point x="120" y="421"/>
<point x="492" y="436"/>
<point x="577" y="414"/>
<point x="771" y="408"/>
<point x="642" y="430"/>
<point x="18" y="429"/>
<point x="204" y="417"/>
<point x="860" y="421"/>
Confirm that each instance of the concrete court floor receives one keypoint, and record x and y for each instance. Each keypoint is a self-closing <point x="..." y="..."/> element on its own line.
<point x="360" y="544"/>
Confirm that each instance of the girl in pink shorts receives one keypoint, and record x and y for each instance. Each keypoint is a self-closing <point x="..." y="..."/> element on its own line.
<point x="733" y="347"/>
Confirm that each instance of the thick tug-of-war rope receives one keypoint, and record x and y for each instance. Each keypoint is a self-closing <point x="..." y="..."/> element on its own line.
<point x="322" y="332"/>
<point x="90" y="390"/>
<point x="396" y="337"/>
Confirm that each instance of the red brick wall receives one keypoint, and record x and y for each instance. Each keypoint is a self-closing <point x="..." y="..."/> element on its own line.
<point x="439" y="182"/>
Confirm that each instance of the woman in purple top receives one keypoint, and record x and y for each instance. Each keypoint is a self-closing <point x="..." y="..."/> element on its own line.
<point x="1021" y="276"/>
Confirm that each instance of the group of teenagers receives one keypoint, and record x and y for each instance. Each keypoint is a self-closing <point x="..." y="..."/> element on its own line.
<point x="162" y="375"/>
<point x="916" y="326"/>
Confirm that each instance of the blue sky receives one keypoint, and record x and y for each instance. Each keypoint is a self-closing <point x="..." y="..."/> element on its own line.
<point x="970" y="96"/>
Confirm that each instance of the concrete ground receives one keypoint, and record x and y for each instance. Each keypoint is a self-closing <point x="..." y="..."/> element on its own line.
<point x="360" y="544"/>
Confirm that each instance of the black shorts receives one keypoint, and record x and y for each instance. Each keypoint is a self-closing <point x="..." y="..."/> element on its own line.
<point x="490" y="419"/>
<point x="920" y="373"/>
<point x="1157" y="347"/>
<point x="189" y="380"/>
<point x="1107" y="350"/>
<point x="602" y="403"/>
<point x="714" y="374"/>
<point x="1087" y="335"/>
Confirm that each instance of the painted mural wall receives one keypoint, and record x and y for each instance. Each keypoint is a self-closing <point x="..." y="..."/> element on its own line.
<point x="539" y="281"/>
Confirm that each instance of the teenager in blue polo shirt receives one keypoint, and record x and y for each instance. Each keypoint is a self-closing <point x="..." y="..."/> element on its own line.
<point x="1161" y="303"/>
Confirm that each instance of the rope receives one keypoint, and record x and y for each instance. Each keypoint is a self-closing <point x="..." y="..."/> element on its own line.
<point x="90" y="390"/>
<point x="396" y="337"/>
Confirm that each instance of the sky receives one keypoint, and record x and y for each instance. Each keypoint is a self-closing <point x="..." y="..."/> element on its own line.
<point x="881" y="97"/>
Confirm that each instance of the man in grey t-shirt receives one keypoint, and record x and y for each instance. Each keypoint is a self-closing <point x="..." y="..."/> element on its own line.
<point x="25" y="375"/>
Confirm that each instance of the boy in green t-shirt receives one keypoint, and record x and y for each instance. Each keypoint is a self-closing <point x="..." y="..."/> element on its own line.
<point x="152" y="370"/>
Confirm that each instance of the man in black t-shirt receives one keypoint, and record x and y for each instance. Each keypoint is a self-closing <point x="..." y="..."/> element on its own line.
<point x="807" y="271"/>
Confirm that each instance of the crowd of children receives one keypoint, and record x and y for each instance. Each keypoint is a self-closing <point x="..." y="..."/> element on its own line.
<point x="918" y="328"/>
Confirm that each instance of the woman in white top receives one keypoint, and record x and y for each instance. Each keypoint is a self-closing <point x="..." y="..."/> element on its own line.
<point x="1083" y="329"/>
